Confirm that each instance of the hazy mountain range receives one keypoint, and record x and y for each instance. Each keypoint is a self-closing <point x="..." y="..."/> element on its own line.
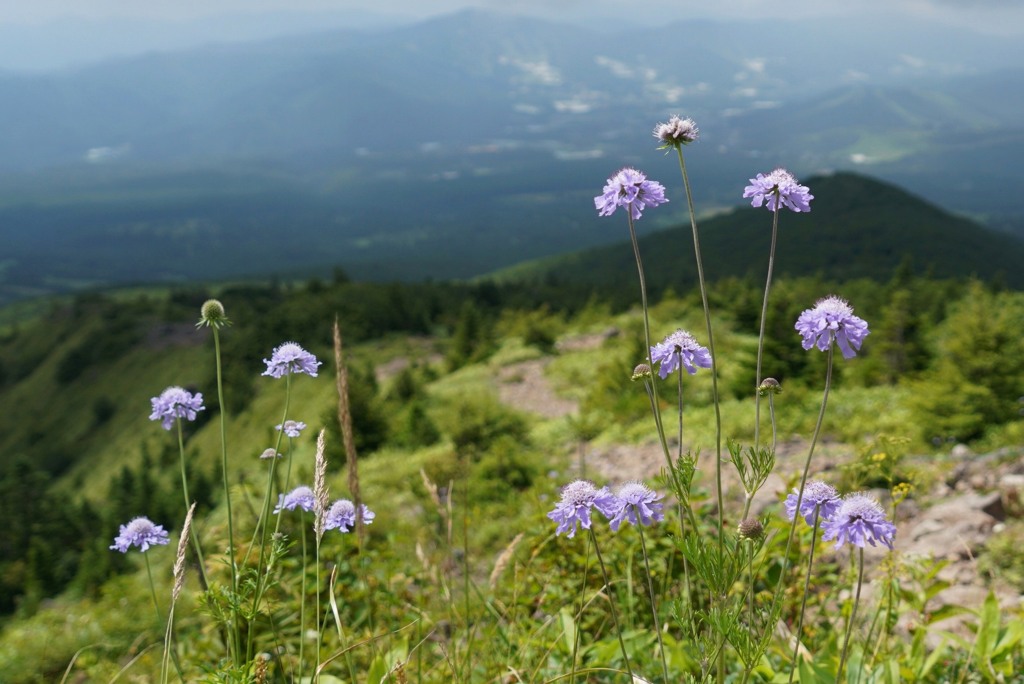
<point x="468" y="142"/>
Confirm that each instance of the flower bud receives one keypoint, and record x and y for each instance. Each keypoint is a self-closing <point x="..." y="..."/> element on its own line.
<point x="769" y="386"/>
<point x="212" y="315"/>
<point x="641" y="372"/>
<point x="750" y="529"/>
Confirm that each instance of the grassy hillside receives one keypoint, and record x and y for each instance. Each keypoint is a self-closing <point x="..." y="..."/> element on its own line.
<point x="437" y="406"/>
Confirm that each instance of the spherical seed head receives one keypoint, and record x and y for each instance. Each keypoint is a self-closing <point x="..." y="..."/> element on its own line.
<point x="750" y="528"/>
<point x="676" y="132"/>
<point x="212" y="314"/>
<point x="769" y="386"/>
<point x="641" y="372"/>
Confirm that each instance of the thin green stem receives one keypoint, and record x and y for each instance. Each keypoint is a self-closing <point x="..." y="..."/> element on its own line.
<point x="803" y="478"/>
<point x="611" y="602"/>
<point x="764" y="319"/>
<point x="654" y="607"/>
<point x="680" y="394"/>
<point x="647" y="336"/>
<point x="711" y="348"/>
<point x="577" y="618"/>
<point x="262" y="571"/>
<point x="188" y="503"/>
<point x="807" y="586"/>
<point x="853" y="614"/>
<point x="152" y="588"/>
<point x="302" y="600"/>
<point x="771" y="413"/>
<point x="236" y="640"/>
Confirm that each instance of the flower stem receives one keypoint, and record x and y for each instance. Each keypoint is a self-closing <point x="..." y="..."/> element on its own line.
<point x="853" y="614"/>
<point x="803" y="478"/>
<point x="302" y="600"/>
<point x="188" y="504"/>
<point x="711" y="349"/>
<point x="152" y="588"/>
<point x="647" y="337"/>
<point x="577" y="618"/>
<point x="807" y="585"/>
<point x="764" y="318"/>
<point x="611" y="602"/>
<point x="236" y="641"/>
<point x="261" y="525"/>
<point x="654" y="606"/>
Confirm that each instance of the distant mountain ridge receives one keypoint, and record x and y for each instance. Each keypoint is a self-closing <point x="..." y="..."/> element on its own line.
<point x="470" y="142"/>
<point x="858" y="227"/>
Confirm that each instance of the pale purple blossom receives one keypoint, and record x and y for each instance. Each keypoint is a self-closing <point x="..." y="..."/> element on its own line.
<point x="638" y="503"/>
<point x="680" y="348"/>
<point x="175" y="402"/>
<point x="292" y="428"/>
<point x="676" y="132"/>
<point x="777" y="187"/>
<point x="631" y="190"/>
<point x="859" y="520"/>
<point x="300" y="497"/>
<point x="140" y="532"/>
<point x="578" y="498"/>
<point x="818" y="496"/>
<point x="290" y="358"/>
<point x="341" y="515"/>
<point x="832" y="319"/>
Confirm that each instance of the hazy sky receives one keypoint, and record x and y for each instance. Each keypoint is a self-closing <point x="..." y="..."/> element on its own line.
<point x="45" y="35"/>
<point x="995" y="15"/>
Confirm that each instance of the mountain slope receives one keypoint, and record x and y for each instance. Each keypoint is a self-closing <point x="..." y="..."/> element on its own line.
<point x="858" y="227"/>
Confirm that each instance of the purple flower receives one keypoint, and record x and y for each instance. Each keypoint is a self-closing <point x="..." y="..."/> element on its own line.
<point x="139" y="532"/>
<point x="818" y="496"/>
<point x="630" y="189"/>
<point x="577" y="499"/>
<point x="832" y="319"/>
<point x="676" y="132"/>
<point x="300" y="497"/>
<point x="292" y="428"/>
<point x="679" y="347"/>
<point x="778" y="186"/>
<point x="637" y="502"/>
<point x="290" y="358"/>
<point x="859" y="519"/>
<point x="342" y="515"/>
<point x="175" y="402"/>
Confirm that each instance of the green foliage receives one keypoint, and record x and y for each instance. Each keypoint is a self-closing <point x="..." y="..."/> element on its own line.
<point x="475" y="423"/>
<point x="975" y="379"/>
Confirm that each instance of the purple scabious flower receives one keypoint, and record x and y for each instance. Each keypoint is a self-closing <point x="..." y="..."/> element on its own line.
<point x="777" y="187"/>
<point x="342" y="515"/>
<point x="680" y="347"/>
<point x="638" y="502"/>
<point x="817" y="496"/>
<point x="832" y="319"/>
<point x="300" y="497"/>
<point x="859" y="520"/>
<point x="578" y="498"/>
<point x="676" y="132"/>
<point x="140" y="532"/>
<point x="290" y="358"/>
<point x="175" y="402"/>
<point x="631" y="190"/>
<point x="292" y="428"/>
